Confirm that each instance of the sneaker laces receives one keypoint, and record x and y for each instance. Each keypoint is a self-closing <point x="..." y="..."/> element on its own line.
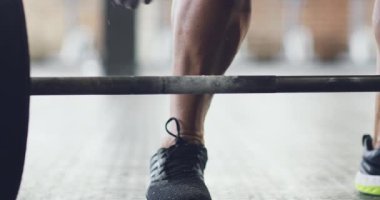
<point x="181" y="160"/>
<point x="178" y="127"/>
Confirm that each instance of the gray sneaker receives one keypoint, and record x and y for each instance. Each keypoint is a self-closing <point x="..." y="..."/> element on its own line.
<point x="177" y="172"/>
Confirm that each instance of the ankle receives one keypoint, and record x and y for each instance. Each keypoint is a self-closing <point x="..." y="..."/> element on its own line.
<point x="190" y="135"/>
<point x="193" y="139"/>
<point x="189" y="138"/>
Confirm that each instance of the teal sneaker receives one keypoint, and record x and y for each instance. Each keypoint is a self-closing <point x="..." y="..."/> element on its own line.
<point x="368" y="178"/>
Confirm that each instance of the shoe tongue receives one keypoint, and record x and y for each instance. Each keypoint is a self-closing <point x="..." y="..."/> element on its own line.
<point x="367" y="142"/>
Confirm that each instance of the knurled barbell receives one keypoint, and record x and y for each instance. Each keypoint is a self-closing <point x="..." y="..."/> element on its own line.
<point x="16" y="86"/>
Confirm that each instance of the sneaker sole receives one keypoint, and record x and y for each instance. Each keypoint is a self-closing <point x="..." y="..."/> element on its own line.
<point x="367" y="184"/>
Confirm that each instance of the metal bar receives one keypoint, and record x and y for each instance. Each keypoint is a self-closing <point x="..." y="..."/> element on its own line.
<point x="139" y="85"/>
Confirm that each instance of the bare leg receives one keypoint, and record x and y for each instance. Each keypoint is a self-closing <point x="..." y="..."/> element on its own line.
<point x="207" y="35"/>
<point x="376" y="28"/>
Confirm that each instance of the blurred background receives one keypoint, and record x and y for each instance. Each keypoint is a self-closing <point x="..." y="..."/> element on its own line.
<point x="96" y="35"/>
<point x="98" y="147"/>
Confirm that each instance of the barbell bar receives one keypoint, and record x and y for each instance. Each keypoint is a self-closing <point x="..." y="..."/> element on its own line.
<point x="16" y="86"/>
<point x="144" y="85"/>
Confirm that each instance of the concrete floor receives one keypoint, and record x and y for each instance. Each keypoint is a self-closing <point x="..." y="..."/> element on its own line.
<point x="261" y="146"/>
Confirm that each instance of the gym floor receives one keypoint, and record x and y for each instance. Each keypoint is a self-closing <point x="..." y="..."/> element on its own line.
<point x="261" y="146"/>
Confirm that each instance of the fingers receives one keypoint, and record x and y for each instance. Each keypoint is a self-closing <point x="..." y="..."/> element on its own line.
<point x="118" y="2"/>
<point x="131" y="4"/>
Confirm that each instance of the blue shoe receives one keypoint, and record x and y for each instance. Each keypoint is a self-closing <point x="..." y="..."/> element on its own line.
<point x="177" y="172"/>
<point x="368" y="178"/>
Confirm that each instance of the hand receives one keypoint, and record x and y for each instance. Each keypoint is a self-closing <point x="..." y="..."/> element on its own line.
<point x="131" y="4"/>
